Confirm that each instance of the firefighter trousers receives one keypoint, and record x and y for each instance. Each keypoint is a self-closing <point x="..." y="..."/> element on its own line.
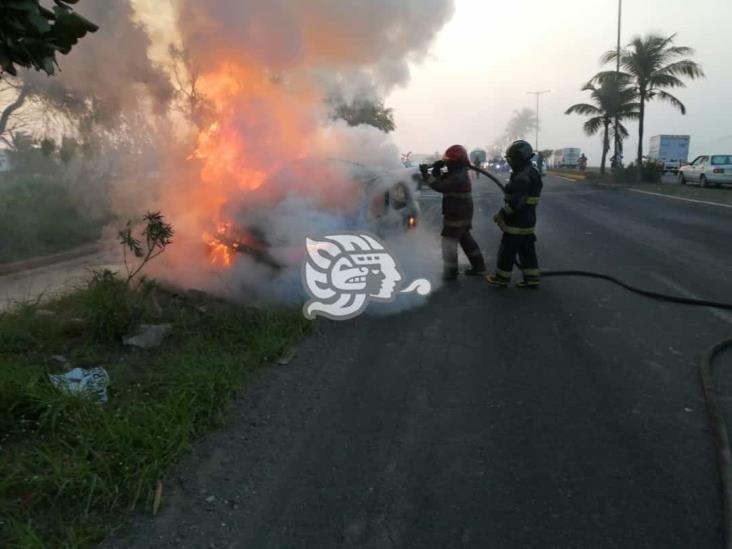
<point x="470" y="247"/>
<point x="524" y="247"/>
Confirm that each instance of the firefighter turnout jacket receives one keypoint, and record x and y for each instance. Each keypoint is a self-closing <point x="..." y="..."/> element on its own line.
<point x="518" y="216"/>
<point x="457" y="200"/>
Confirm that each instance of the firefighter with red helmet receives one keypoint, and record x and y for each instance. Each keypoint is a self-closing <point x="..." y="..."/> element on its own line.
<point x="457" y="210"/>
<point x="517" y="219"/>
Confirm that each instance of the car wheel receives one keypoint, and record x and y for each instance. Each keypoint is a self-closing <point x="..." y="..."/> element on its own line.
<point x="703" y="182"/>
<point x="682" y="179"/>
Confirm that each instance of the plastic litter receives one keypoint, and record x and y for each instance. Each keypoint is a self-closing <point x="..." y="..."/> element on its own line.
<point x="149" y="336"/>
<point x="92" y="383"/>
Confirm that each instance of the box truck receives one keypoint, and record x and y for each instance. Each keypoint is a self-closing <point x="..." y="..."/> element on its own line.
<point x="566" y="158"/>
<point x="670" y="150"/>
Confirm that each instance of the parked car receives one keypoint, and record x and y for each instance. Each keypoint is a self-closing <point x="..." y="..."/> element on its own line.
<point x="715" y="169"/>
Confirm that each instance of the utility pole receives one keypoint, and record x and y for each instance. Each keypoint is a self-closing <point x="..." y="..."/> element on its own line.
<point x="538" y="94"/>
<point x="617" y="84"/>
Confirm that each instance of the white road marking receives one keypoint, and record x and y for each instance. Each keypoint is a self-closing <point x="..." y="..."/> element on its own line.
<point x="721" y="315"/>
<point x="684" y="199"/>
<point x="565" y="178"/>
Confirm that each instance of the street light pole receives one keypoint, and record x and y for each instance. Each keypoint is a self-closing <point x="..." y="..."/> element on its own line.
<point x="617" y="85"/>
<point x="538" y="94"/>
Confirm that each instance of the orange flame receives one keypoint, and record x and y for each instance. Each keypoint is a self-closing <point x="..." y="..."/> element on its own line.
<point x="260" y="125"/>
<point x="219" y="253"/>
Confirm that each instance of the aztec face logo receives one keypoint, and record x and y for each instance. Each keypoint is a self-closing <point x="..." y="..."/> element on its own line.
<point x="344" y="272"/>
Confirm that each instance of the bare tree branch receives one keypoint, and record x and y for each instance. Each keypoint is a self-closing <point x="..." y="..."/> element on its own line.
<point x="14" y="106"/>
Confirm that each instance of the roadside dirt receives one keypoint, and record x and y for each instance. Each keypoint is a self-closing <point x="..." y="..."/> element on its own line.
<point x="53" y="278"/>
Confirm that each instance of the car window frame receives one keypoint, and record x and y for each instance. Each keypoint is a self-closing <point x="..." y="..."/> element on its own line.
<point x="727" y="159"/>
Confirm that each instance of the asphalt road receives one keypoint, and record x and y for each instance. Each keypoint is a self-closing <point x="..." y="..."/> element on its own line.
<point x="570" y="417"/>
<point x="52" y="279"/>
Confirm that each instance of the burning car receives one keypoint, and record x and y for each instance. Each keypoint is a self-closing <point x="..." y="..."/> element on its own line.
<point x="269" y="224"/>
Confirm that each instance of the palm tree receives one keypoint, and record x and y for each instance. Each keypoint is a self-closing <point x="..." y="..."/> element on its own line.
<point x="521" y="123"/>
<point x="654" y="64"/>
<point x="609" y="97"/>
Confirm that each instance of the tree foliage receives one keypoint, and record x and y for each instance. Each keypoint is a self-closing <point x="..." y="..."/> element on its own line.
<point x="155" y="237"/>
<point x="364" y="112"/>
<point x="653" y="64"/>
<point x="611" y="97"/>
<point x="522" y="122"/>
<point x="31" y="35"/>
<point x="189" y="100"/>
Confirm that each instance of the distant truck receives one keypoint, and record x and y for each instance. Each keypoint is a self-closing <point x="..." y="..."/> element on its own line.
<point x="566" y="158"/>
<point x="478" y="157"/>
<point x="670" y="150"/>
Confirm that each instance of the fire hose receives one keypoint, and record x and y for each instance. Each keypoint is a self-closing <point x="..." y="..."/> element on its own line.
<point x="714" y="411"/>
<point x="716" y="417"/>
<point x="481" y="171"/>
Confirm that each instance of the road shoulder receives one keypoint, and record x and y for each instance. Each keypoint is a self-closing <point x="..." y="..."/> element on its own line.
<point x="710" y="197"/>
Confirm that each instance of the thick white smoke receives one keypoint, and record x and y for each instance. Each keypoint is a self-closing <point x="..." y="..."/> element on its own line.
<point x="110" y="68"/>
<point x="375" y="39"/>
<point x="273" y="167"/>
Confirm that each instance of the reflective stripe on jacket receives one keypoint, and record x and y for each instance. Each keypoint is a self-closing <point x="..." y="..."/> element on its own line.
<point x="523" y="193"/>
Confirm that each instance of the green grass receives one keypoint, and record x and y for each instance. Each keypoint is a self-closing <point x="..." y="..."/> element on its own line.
<point x="577" y="175"/>
<point x="71" y="469"/>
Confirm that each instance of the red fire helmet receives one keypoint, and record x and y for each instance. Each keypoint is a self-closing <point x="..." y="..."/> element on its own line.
<point x="457" y="154"/>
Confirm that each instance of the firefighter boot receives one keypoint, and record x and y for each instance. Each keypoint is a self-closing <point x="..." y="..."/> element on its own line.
<point x="532" y="278"/>
<point x="498" y="280"/>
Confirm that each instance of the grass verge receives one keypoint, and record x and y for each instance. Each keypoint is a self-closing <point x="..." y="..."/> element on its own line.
<point x="577" y="175"/>
<point x="72" y="469"/>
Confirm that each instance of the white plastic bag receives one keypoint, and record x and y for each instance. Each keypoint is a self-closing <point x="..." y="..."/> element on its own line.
<point x="92" y="383"/>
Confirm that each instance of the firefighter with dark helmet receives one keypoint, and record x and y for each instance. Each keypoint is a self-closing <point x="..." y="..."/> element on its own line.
<point x="457" y="210"/>
<point x="517" y="219"/>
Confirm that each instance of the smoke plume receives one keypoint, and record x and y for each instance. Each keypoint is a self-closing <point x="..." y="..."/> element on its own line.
<point x="110" y="68"/>
<point x="375" y="40"/>
<point x="272" y="168"/>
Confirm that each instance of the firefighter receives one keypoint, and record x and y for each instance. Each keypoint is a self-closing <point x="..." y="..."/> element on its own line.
<point x="517" y="219"/>
<point x="457" y="211"/>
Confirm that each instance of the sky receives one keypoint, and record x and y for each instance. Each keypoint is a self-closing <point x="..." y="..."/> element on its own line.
<point x="492" y="52"/>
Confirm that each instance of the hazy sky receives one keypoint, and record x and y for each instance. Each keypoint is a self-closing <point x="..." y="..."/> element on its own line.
<point x="492" y="52"/>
